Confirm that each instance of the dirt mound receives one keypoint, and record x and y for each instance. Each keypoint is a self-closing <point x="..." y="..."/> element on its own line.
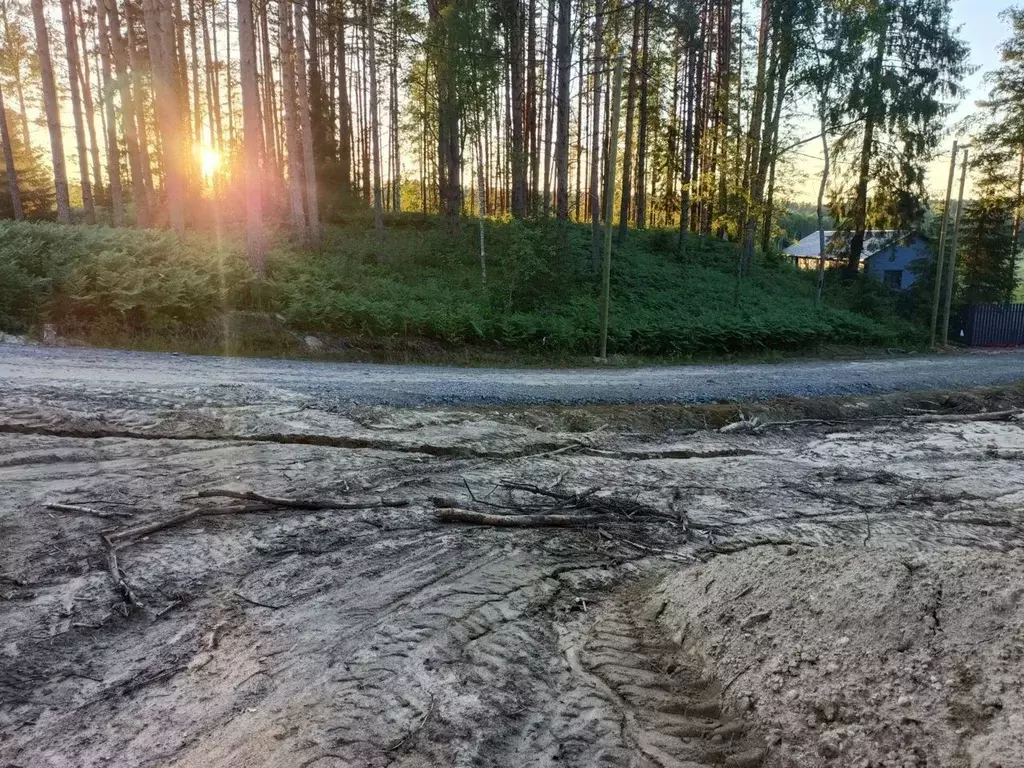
<point x="864" y="658"/>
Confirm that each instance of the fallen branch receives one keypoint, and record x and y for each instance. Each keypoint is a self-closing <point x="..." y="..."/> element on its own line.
<point x="120" y="583"/>
<point x="80" y="510"/>
<point x="184" y="517"/>
<point x="296" y="503"/>
<point x="603" y="505"/>
<point x="239" y="595"/>
<point x="681" y="453"/>
<point x="454" y="515"/>
<point x="989" y="416"/>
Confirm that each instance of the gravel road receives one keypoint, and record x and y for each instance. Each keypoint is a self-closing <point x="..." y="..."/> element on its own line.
<point x="251" y="381"/>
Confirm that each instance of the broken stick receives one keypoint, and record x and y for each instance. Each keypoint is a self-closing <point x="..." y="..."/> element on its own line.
<point x="80" y="510"/>
<point x="455" y="515"/>
<point x="989" y="416"/>
<point x="296" y="503"/>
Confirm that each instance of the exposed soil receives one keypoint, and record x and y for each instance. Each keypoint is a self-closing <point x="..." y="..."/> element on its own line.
<point x="271" y="636"/>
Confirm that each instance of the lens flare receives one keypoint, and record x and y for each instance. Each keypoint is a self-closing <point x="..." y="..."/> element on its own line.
<point x="209" y="161"/>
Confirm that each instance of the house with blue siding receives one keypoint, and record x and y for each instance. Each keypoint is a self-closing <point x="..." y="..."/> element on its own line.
<point x="887" y="255"/>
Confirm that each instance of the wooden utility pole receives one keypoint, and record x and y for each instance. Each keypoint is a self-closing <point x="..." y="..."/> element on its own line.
<point x="609" y="204"/>
<point x="937" y="293"/>
<point x="952" y="252"/>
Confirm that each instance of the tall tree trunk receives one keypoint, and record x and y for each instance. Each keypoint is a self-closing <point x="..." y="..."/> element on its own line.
<point x="860" y="205"/>
<point x="12" y="172"/>
<point x="305" y="123"/>
<point x="215" y="77"/>
<point x="212" y="106"/>
<point x="754" y="140"/>
<point x="227" y="71"/>
<point x="108" y="88"/>
<point x="269" y="100"/>
<point x="87" y="102"/>
<point x="627" y="156"/>
<point x="159" y="19"/>
<point x="345" y="116"/>
<point x="60" y="175"/>
<point x="564" y="59"/>
<point x="595" y="138"/>
<point x="131" y="108"/>
<point x="514" y="33"/>
<point x="364" y="116"/>
<point x="482" y="197"/>
<point x="579" y="108"/>
<point x="397" y="152"/>
<point x="378" y="194"/>
<point x="137" y="134"/>
<point x="823" y="118"/>
<point x="530" y="118"/>
<point x="197" y="113"/>
<point x="180" y="63"/>
<point x="688" y="147"/>
<point x="641" y="148"/>
<point x="548" y="100"/>
<point x="449" y="145"/>
<point x="293" y="150"/>
<point x="252" y="136"/>
<point x="773" y="149"/>
<point x="71" y="47"/>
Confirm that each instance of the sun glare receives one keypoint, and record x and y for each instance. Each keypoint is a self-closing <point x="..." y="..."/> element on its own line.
<point x="209" y="161"/>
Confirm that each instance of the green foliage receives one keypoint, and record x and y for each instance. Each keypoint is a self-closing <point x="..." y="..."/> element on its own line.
<point x="986" y="242"/>
<point x="539" y="297"/>
<point x="138" y="279"/>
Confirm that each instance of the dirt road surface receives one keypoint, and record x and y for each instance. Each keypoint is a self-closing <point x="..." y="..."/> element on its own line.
<point x="803" y="594"/>
<point x="339" y="385"/>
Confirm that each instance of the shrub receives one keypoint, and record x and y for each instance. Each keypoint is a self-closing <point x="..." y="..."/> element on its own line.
<point x="421" y="281"/>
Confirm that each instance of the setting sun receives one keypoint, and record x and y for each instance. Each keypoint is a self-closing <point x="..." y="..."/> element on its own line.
<point x="209" y="161"/>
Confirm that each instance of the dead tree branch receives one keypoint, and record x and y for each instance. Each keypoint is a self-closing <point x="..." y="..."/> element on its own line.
<point x="453" y="515"/>
<point x="81" y="510"/>
<point x="989" y="416"/>
<point x="296" y="503"/>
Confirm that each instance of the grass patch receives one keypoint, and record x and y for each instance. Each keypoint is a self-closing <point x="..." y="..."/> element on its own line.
<point x="415" y="293"/>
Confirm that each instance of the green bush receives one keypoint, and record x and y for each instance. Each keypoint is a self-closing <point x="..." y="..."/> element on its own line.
<point x="418" y="280"/>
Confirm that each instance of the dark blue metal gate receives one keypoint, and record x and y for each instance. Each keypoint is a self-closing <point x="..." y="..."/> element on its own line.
<point x="993" y="325"/>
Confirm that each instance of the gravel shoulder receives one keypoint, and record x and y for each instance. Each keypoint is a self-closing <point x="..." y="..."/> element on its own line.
<point x="197" y="380"/>
<point x="368" y="633"/>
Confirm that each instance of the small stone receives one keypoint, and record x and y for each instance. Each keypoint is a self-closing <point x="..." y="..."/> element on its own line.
<point x="312" y="343"/>
<point x="831" y="668"/>
<point x="843" y="641"/>
<point x="904" y="701"/>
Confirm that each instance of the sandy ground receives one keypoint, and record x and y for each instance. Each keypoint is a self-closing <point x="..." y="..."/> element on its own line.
<point x="809" y="594"/>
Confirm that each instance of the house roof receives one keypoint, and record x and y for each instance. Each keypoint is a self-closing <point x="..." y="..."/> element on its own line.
<point x="809" y="247"/>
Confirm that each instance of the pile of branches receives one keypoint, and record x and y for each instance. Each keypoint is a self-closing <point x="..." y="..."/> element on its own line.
<point x="546" y="507"/>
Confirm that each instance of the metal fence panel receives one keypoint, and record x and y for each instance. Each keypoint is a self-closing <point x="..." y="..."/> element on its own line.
<point x="993" y="325"/>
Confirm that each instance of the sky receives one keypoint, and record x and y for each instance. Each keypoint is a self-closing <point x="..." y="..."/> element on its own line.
<point x="981" y="28"/>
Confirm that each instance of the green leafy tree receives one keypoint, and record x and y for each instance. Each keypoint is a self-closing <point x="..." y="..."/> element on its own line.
<point x="906" y="75"/>
<point x="986" y="235"/>
<point x="999" y="142"/>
